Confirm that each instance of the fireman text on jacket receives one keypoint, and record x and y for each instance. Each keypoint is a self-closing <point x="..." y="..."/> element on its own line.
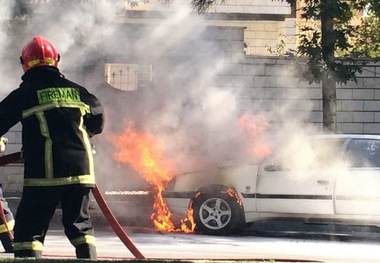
<point x="58" y="94"/>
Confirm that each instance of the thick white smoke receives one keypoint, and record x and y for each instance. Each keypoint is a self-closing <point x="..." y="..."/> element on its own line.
<point x="197" y="121"/>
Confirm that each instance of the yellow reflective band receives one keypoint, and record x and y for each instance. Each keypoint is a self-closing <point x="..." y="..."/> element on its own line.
<point x="49" y="61"/>
<point x="88" y="145"/>
<point x="33" y="245"/>
<point x="87" y="239"/>
<point x="48" y="144"/>
<point x="80" y="179"/>
<point x="34" y="62"/>
<point x="48" y="106"/>
<point x="10" y="224"/>
<point x="64" y="94"/>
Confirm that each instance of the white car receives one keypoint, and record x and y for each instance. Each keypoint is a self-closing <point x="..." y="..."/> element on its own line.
<point x="331" y="177"/>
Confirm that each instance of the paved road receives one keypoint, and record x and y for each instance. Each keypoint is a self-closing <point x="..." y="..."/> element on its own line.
<point x="156" y="245"/>
<point x="287" y="241"/>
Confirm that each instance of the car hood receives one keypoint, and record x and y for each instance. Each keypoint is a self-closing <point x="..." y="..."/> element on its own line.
<point x="229" y="176"/>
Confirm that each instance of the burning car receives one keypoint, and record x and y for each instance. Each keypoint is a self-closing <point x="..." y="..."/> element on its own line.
<point x="330" y="177"/>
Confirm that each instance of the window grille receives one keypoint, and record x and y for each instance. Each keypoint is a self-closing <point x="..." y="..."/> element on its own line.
<point x="128" y="77"/>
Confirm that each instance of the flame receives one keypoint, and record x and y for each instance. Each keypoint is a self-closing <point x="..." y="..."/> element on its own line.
<point x="144" y="153"/>
<point x="234" y="195"/>
<point x="255" y="128"/>
<point x="189" y="220"/>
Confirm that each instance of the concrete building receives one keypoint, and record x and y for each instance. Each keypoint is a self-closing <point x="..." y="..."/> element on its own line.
<point x="267" y="24"/>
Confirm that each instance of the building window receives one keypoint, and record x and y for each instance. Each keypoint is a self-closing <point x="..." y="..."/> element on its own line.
<point x="128" y="77"/>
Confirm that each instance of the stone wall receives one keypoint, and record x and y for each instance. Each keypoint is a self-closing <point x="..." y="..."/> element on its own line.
<point x="12" y="178"/>
<point x="270" y="85"/>
<point x="260" y="36"/>
<point x="11" y="175"/>
<point x="252" y="7"/>
<point x="226" y="6"/>
<point x="268" y="23"/>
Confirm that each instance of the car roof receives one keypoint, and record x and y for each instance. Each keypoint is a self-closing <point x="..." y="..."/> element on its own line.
<point x="349" y="136"/>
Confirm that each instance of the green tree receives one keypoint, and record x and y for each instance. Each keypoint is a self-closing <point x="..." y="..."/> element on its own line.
<point x="333" y="35"/>
<point x="365" y="41"/>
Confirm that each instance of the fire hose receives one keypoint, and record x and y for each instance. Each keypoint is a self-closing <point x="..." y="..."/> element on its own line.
<point x="119" y="231"/>
<point x="117" y="228"/>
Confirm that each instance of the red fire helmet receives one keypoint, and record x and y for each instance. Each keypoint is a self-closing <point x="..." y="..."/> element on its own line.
<point x="39" y="52"/>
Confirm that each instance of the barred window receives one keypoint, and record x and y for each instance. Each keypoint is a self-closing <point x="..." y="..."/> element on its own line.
<point x="128" y="77"/>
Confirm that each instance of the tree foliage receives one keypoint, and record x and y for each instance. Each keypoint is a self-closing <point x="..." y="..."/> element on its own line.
<point x="345" y="39"/>
<point x="365" y="40"/>
<point x="327" y="34"/>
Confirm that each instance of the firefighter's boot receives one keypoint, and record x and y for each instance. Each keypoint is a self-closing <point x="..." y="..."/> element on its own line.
<point x="7" y="242"/>
<point x="87" y="251"/>
<point x="28" y="254"/>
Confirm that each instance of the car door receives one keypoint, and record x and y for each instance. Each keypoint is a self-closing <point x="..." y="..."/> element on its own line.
<point x="303" y="188"/>
<point x="358" y="187"/>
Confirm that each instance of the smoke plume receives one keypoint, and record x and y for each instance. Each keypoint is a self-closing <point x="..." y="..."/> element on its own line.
<point x="197" y="121"/>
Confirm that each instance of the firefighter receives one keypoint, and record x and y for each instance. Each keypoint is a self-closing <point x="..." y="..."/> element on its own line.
<point x="58" y="119"/>
<point x="7" y="223"/>
<point x="6" y="215"/>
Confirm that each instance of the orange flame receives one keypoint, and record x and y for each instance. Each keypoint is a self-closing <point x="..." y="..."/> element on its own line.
<point x="255" y="127"/>
<point x="234" y="195"/>
<point x="144" y="153"/>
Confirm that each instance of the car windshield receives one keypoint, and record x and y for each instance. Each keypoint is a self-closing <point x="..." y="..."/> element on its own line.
<point x="364" y="153"/>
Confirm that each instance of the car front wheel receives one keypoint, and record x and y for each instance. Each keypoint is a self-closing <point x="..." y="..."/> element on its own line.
<point x="218" y="212"/>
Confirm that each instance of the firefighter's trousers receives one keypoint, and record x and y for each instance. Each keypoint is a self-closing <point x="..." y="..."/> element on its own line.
<point x="36" y="210"/>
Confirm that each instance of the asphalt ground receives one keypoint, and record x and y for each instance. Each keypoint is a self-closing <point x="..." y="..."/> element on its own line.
<point x="180" y="247"/>
<point x="155" y="246"/>
<point x="168" y="246"/>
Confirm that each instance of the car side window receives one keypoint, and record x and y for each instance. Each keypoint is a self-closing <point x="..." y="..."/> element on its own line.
<point x="364" y="153"/>
<point x="310" y="155"/>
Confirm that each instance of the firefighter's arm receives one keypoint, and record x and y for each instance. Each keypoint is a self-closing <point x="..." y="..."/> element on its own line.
<point x="94" y="121"/>
<point x="11" y="109"/>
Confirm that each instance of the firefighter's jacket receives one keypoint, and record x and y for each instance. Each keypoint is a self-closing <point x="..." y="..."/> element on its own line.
<point x="58" y="118"/>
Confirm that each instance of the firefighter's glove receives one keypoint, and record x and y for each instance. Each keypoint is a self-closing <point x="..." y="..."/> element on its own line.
<point x="3" y="142"/>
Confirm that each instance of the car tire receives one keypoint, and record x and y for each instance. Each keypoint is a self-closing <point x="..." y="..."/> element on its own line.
<point x="216" y="212"/>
